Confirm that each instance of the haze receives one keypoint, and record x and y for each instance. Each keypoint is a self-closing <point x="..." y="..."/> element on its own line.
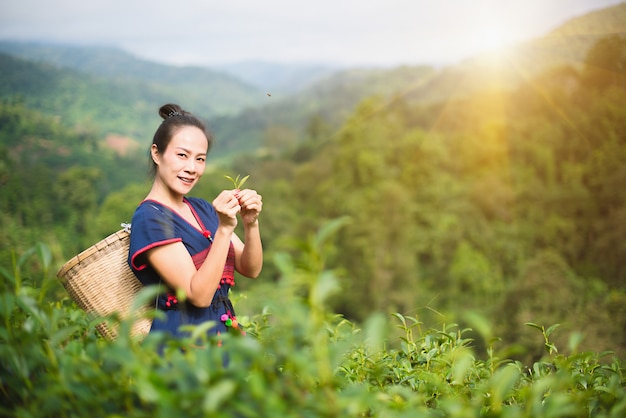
<point x="196" y="32"/>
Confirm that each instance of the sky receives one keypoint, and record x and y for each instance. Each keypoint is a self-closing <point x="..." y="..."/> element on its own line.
<point x="338" y="32"/>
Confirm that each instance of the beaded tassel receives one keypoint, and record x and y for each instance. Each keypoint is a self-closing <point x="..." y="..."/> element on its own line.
<point x="171" y="300"/>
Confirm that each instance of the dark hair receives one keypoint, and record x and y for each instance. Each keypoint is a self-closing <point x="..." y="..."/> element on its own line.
<point x="174" y="118"/>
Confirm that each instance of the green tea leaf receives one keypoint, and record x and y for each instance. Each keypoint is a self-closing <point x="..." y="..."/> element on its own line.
<point x="238" y="182"/>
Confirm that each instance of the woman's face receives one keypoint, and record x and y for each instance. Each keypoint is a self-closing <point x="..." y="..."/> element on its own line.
<point x="182" y="163"/>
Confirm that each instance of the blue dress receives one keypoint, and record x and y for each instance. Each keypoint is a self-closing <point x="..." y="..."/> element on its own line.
<point x="155" y="224"/>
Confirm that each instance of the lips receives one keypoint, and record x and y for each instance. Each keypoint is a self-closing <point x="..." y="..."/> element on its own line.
<point x="187" y="180"/>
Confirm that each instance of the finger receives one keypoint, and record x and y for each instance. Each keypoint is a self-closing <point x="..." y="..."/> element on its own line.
<point x="223" y="198"/>
<point x="252" y="207"/>
<point x="247" y="193"/>
<point x="250" y="199"/>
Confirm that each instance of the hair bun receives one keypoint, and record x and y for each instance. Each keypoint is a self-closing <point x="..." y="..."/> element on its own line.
<point x="170" y="110"/>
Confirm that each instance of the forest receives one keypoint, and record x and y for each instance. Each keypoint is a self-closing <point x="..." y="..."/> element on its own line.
<point x="483" y="213"/>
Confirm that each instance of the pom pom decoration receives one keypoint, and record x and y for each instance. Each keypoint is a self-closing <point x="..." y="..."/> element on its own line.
<point x="230" y="320"/>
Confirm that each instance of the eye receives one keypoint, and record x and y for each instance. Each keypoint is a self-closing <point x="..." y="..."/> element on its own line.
<point x="201" y="159"/>
<point x="182" y="155"/>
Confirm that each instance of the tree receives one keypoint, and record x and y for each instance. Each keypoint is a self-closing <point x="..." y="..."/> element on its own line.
<point x="77" y="197"/>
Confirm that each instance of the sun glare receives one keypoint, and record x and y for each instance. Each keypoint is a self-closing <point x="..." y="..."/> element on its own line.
<point x="493" y="30"/>
<point x="489" y="37"/>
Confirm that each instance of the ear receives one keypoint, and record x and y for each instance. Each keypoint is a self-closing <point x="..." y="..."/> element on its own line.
<point x="154" y="153"/>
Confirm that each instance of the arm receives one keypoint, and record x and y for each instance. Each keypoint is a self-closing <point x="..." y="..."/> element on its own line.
<point x="174" y="264"/>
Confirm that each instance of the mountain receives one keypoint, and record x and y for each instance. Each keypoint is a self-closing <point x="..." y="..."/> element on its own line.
<point x="333" y="97"/>
<point x="253" y="105"/>
<point x="276" y="78"/>
<point x="214" y="92"/>
<point x="567" y="45"/>
<point x="79" y="100"/>
<point x="109" y="92"/>
<point x="323" y="105"/>
<point x="108" y="89"/>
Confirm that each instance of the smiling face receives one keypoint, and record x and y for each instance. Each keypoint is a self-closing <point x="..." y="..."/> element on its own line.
<point x="182" y="163"/>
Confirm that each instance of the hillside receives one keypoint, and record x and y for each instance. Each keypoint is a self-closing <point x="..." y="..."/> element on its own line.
<point x="567" y="45"/>
<point x="115" y="93"/>
<point x="276" y="78"/>
<point x="106" y="100"/>
<point x="334" y="96"/>
<point x="80" y="100"/>
<point x="321" y="107"/>
<point x="214" y="92"/>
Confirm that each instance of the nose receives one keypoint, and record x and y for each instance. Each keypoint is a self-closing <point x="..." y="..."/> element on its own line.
<point x="191" y="166"/>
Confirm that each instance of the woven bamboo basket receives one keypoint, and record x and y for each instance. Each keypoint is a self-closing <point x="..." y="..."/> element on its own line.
<point x="100" y="281"/>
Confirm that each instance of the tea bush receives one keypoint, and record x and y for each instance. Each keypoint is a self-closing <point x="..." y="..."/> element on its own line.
<point x="297" y="360"/>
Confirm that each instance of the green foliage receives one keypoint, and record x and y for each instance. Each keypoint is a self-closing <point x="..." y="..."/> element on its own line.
<point x="52" y="181"/>
<point x="298" y="359"/>
<point x="118" y="207"/>
<point x="509" y="204"/>
<point x="112" y="89"/>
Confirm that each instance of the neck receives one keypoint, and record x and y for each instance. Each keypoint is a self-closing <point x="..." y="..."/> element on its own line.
<point x="165" y="196"/>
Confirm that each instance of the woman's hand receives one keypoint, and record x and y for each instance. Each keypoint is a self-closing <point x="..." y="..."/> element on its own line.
<point x="251" y="205"/>
<point x="227" y="206"/>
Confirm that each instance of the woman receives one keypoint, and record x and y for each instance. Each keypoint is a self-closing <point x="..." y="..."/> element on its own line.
<point x="188" y="244"/>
